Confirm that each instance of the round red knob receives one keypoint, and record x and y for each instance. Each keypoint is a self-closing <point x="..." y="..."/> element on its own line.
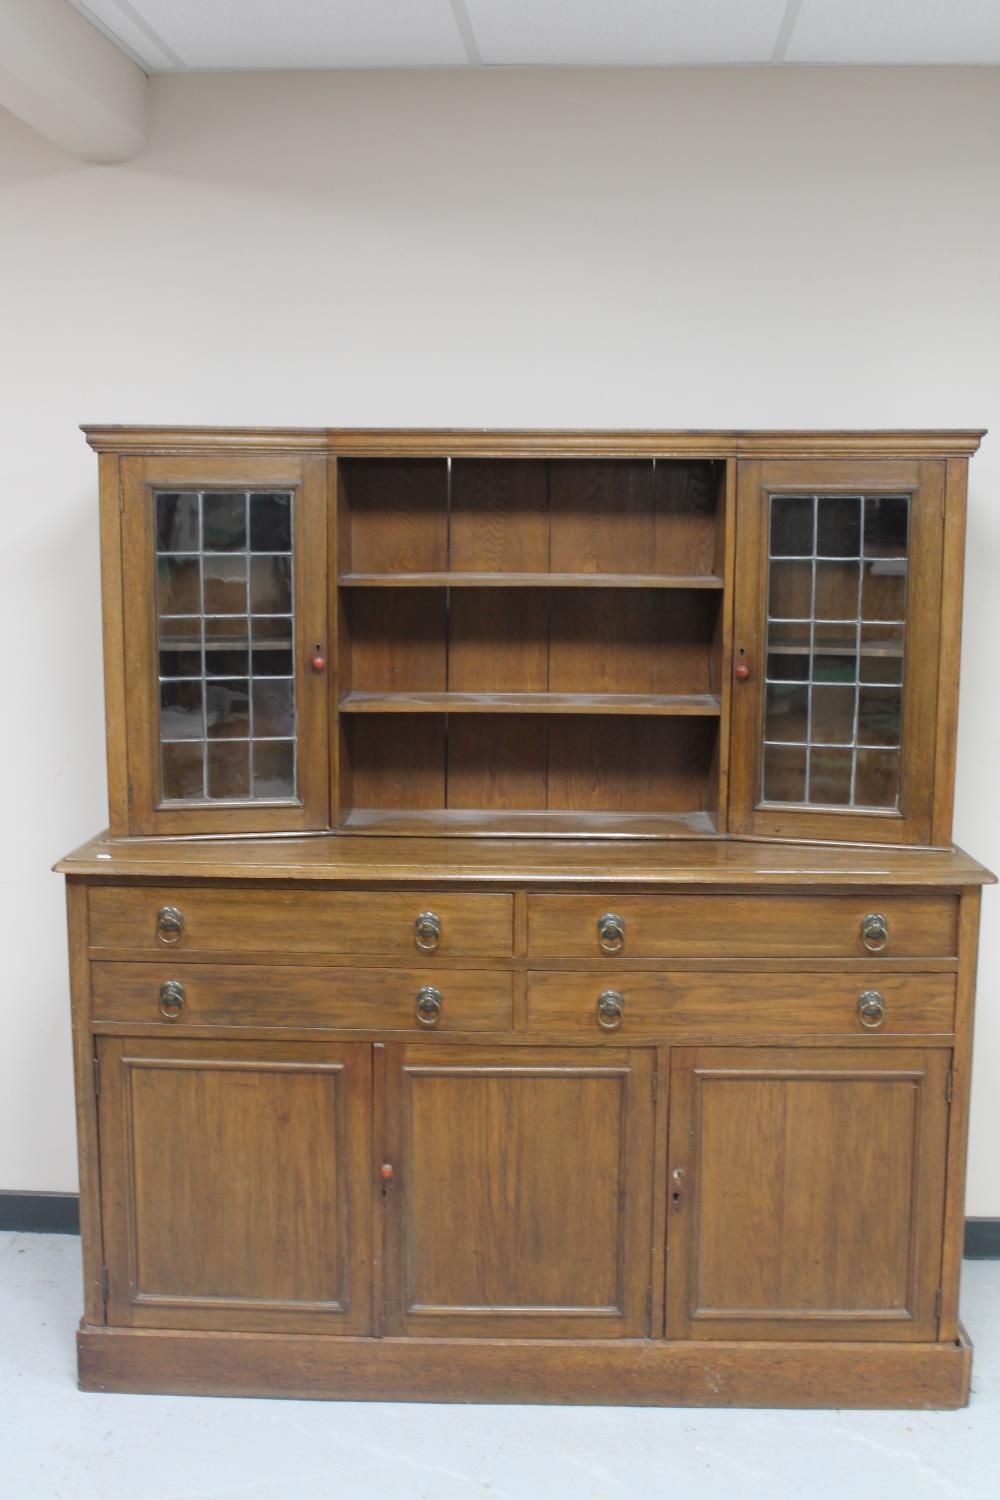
<point x="386" y="1171"/>
<point x="319" y="662"/>
<point x="742" y="671"/>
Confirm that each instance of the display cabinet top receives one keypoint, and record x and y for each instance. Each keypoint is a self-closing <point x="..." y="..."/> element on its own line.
<point x="540" y="442"/>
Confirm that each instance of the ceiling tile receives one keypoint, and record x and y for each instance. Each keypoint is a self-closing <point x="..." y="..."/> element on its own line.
<point x="896" y="31"/>
<point x="625" y="32"/>
<point x="266" y="34"/>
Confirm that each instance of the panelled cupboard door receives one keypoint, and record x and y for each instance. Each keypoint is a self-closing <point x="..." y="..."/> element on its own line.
<point x="520" y="1201"/>
<point x="836" y="649"/>
<point x="224" y="615"/>
<point x="237" y="1184"/>
<point x="806" y="1193"/>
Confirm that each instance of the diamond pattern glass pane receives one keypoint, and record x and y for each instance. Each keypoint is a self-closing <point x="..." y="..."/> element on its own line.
<point x="836" y="628"/>
<point x="226" y="626"/>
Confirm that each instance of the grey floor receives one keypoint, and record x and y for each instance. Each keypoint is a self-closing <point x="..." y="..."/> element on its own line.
<point x="56" y="1442"/>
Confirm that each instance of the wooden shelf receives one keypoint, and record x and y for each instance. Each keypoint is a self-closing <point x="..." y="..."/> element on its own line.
<point x="847" y="647"/>
<point x="699" y="705"/>
<point x="531" y="580"/>
<point x="626" y="825"/>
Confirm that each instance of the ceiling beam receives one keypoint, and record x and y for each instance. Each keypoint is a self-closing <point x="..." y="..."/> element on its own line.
<point x="61" y="76"/>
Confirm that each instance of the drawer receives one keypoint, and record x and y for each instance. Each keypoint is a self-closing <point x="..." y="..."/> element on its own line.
<point x="367" y="999"/>
<point x="728" y="926"/>
<point x="301" y="921"/>
<point x="692" y="1006"/>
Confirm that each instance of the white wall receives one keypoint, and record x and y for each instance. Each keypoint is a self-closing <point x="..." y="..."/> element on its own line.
<point x="676" y="249"/>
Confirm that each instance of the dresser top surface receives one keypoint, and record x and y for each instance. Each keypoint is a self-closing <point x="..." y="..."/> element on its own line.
<point x="506" y="861"/>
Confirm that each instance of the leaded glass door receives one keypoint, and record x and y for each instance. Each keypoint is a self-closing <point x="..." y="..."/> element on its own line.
<point x="836" y="649"/>
<point x="224" y="643"/>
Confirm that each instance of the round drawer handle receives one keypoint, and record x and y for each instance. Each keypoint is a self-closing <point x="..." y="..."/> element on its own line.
<point x="430" y="1004"/>
<point x="871" y="1009"/>
<point x="427" y="931"/>
<point x="874" y="932"/>
<point x="169" y="924"/>
<point x="172" y="997"/>
<point x="610" y="1010"/>
<point x="611" y="932"/>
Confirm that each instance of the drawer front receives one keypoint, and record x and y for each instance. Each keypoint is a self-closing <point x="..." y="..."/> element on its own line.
<point x="368" y="999"/>
<point x="726" y="926"/>
<point x="628" y="1004"/>
<point x="400" y="924"/>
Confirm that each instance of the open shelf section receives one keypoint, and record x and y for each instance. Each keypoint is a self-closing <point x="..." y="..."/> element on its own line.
<point x="531" y="580"/>
<point x="698" y="704"/>
<point x="554" y="630"/>
<point x="691" y="825"/>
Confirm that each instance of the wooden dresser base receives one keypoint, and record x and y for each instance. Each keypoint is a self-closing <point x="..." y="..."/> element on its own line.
<point x="627" y="1372"/>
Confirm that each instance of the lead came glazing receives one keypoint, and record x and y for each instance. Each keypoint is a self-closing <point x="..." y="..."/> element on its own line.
<point x="224" y="593"/>
<point x="836" y="629"/>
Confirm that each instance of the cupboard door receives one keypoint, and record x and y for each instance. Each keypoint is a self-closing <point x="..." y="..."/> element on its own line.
<point x="806" y="1193"/>
<point x="237" y="1184"/>
<point x="224" y="568"/>
<point x="520" y="1201"/>
<point x="836" y="649"/>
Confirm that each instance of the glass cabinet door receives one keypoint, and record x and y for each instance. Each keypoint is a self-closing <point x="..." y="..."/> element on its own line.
<point x="837" y="615"/>
<point x="223" y="641"/>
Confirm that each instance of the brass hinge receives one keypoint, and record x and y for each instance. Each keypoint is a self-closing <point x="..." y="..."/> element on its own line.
<point x="97" y="1074"/>
<point x="949" y="1087"/>
<point x="105" y="1288"/>
<point x="938" y="1300"/>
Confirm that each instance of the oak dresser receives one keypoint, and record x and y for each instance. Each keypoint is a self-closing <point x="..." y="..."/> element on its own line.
<point x="528" y="959"/>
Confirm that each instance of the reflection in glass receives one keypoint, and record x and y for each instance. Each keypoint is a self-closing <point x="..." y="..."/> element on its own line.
<point x="227" y="710"/>
<point x="787" y="707"/>
<point x="178" y="585"/>
<point x="271" y="585"/>
<point x="883" y="592"/>
<point x="784" y="773"/>
<point x="272" y="708"/>
<point x="224" y="523"/>
<point x="832" y="720"/>
<point x="830" y="776"/>
<point x="270" y="523"/>
<point x="274" y="768"/>
<point x="225" y="585"/>
<point x="790" y="590"/>
<point x="792" y="526"/>
<point x="180" y="663"/>
<point x="177" y="523"/>
<point x="876" y="778"/>
<point x="181" y="711"/>
<point x="835" y="650"/>
<point x="886" y="525"/>
<point x="183" y="771"/>
<point x="838" y="526"/>
<point x="226" y="676"/>
<point x="228" y="769"/>
<point x="836" y="591"/>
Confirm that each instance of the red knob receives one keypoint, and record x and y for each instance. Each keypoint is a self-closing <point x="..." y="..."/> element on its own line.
<point x="742" y="671"/>
<point x="385" y="1171"/>
<point x="319" y="662"/>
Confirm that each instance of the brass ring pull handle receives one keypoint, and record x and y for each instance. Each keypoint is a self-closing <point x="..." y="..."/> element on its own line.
<point x="611" y="932"/>
<point x="610" y="1010"/>
<point x="875" y="932"/>
<point x="427" y="931"/>
<point x="871" y="1009"/>
<point x="430" y="1004"/>
<point x="172" y="997"/>
<point x="169" y="924"/>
